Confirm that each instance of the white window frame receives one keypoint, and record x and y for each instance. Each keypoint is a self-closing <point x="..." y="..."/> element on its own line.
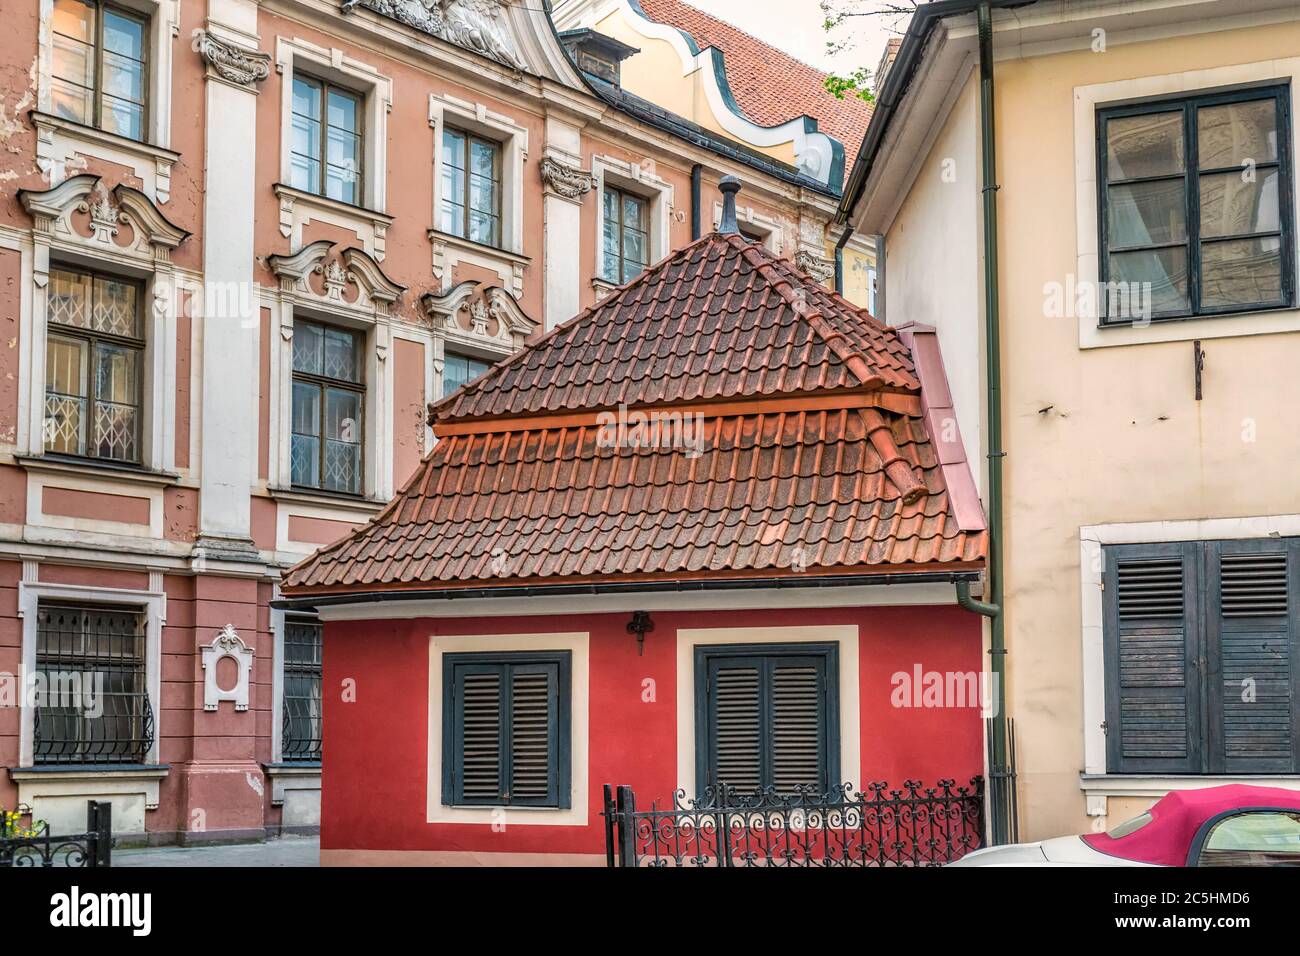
<point x="639" y="181"/>
<point x="577" y="814"/>
<point x="32" y="591"/>
<point x="768" y="226"/>
<point x="1087" y="100"/>
<point x="445" y="111"/>
<point x="293" y="54"/>
<point x="844" y="636"/>
<point x="1095" y="782"/>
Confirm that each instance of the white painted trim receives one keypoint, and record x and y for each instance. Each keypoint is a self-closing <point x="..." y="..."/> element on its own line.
<point x="845" y="635"/>
<point x="639" y="180"/>
<point x="891" y="595"/>
<point x="89" y="481"/>
<point x="768" y="226"/>
<point x="333" y="65"/>
<point x="1092" y="539"/>
<point x="444" y="110"/>
<point x="577" y="814"/>
<point x="154" y="603"/>
<point x="1087" y="271"/>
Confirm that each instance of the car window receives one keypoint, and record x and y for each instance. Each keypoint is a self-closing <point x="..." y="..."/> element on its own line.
<point x="1131" y="825"/>
<point x="1256" y="838"/>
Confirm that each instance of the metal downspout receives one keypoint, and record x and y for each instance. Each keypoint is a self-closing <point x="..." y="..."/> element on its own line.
<point x="1002" y="801"/>
<point x="697" y="172"/>
<point x="839" y="258"/>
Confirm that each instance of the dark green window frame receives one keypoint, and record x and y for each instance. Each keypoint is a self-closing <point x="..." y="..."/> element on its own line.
<point x="1202" y="657"/>
<point x="765" y="659"/>
<point x="99" y="52"/>
<point x="467" y="678"/>
<point x="1190" y="177"/>
<point x="302" y="723"/>
<point x="620" y="267"/>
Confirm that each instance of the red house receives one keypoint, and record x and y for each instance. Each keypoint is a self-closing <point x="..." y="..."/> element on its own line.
<point x="707" y="532"/>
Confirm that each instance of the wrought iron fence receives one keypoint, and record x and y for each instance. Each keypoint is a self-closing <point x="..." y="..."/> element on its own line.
<point x="92" y="848"/>
<point x="879" y="826"/>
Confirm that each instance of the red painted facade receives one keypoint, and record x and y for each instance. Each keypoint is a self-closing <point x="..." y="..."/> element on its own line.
<point x="375" y="785"/>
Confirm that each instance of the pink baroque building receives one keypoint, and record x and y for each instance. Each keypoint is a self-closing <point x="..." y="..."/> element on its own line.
<point x="242" y="245"/>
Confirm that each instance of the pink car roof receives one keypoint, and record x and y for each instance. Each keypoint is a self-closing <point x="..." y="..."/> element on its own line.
<point x="1177" y="816"/>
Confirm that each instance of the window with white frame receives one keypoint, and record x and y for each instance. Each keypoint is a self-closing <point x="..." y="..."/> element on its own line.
<point x="94" y="359"/>
<point x="471" y="187"/>
<point x="99" y="66"/>
<point x="327" y="139"/>
<point x="328" y="394"/>
<point x="625" y="238"/>
<point x="91" y="675"/>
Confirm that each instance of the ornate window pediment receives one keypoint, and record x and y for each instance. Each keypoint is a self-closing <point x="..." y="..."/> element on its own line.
<point x="83" y="211"/>
<point x="350" y="279"/>
<point x="482" y="26"/>
<point x="487" y="317"/>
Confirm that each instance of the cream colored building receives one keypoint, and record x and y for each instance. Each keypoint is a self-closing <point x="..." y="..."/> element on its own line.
<point x="1133" y="141"/>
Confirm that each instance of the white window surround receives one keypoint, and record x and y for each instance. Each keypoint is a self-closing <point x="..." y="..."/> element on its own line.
<point x="154" y="603"/>
<point x="58" y="139"/>
<point x="148" y="258"/>
<point x="445" y="111"/>
<point x="639" y="181"/>
<point x="1096" y="783"/>
<point x="757" y="222"/>
<point x="334" y="66"/>
<point x="1087" y="99"/>
<point x="578" y="812"/>
<point x="844" y="635"/>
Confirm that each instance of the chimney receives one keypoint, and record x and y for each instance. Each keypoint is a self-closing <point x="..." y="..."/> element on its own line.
<point x="886" y="61"/>
<point x="729" y="185"/>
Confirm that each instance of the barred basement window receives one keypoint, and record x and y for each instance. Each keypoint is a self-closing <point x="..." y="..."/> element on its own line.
<point x="506" y="729"/>
<point x="327" y="398"/>
<point x="301" y="736"/>
<point x="94" y="351"/>
<point x="767" y="716"/>
<point x="1202" y="642"/>
<point x="93" y="705"/>
<point x="1195" y="204"/>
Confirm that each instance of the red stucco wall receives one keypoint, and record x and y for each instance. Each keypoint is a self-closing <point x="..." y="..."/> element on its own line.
<point x="376" y="746"/>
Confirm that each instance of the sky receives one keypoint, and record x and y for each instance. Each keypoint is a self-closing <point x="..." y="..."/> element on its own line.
<point x="795" y="26"/>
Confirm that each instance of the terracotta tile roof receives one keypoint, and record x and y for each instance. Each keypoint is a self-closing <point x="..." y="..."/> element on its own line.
<point x="769" y="85"/>
<point x="800" y="464"/>
<point x="722" y="318"/>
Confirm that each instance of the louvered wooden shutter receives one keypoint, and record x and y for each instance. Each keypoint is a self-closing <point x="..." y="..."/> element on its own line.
<point x="505" y="730"/>
<point x="767" y="717"/>
<point x="1153" y="676"/>
<point x="1252" y="651"/>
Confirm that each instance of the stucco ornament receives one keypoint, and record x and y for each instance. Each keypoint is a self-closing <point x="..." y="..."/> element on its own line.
<point x="814" y="265"/>
<point x="564" y="180"/>
<point x="478" y="25"/>
<point x="227" y="643"/>
<point x="232" y="63"/>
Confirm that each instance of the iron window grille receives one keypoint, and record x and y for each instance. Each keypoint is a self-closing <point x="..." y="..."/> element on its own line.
<point x="506" y="732"/>
<point x="327" y="140"/>
<point x="767" y="718"/>
<point x="626" y="235"/>
<point x="301" y="737"/>
<point x="1201" y="645"/>
<point x="100" y="66"/>
<point x="93" y="704"/>
<point x="1195" y="203"/>
<point x="458" y="369"/>
<point x="471" y="187"/>
<point x="326" y="451"/>
<point x="94" y="352"/>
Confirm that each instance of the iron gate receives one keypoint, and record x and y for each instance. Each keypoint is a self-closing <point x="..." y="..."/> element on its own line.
<point x="879" y="826"/>
<point x="92" y="848"/>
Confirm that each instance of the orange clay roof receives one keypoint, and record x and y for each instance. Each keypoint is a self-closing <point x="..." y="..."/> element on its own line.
<point x="769" y="85"/>
<point x="814" y="454"/>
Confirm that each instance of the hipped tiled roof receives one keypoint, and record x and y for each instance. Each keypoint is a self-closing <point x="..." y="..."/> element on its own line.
<point x="814" y="455"/>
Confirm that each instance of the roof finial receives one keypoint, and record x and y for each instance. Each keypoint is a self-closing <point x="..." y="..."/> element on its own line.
<point x="729" y="185"/>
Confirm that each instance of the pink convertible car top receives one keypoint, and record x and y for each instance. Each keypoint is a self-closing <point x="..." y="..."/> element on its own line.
<point x="1177" y="816"/>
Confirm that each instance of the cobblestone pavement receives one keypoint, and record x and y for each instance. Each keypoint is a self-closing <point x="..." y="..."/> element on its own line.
<point x="286" y="851"/>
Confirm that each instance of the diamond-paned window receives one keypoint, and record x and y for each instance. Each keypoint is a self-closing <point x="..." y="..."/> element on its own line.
<point x="94" y="354"/>
<point x="328" y="395"/>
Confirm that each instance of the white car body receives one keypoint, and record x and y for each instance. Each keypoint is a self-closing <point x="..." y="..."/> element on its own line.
<point x="1058" y="851"/>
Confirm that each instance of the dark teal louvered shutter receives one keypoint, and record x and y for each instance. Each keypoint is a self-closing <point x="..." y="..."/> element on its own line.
<point x="767" y="716"/>
<point x="506" y="729"/>
<point x="1252" y="652"/>
<point x="1153" y="678"/>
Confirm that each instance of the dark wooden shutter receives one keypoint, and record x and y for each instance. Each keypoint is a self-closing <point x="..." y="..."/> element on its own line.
<point x="767" y="716"/>
<point x="1153" y="675"/>
<point x="1251" y="651"/>
<point x="505" y="729"/>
